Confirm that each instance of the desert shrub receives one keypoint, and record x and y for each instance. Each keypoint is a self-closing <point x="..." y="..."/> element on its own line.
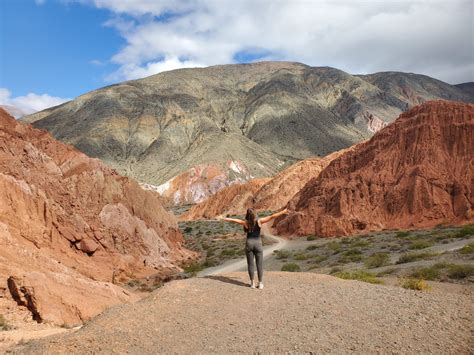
<point x="420" y="244"/>
<point x="414" y="284"/>
<point x="335" y="270"/>
<point x="358" y="275"/>
<point x="188" y="229"/>
<point x="193" y="268"/>
<point x="460" y="271"/>
<point x="467" y="249"/>
<point x="282" y="254"/>
<point x="410" y="257"/>
<point x="319" y="258"/>
<point x="335" y="246"/>
<point x="426" y="273"/>
<point x="310" y="237"/>
<point x="377" y="260"/>
<point x="312" y="247"/>
<point x="290" y="267"/>
<point x="301" y="257"/>
<point x="465" y="231"/>
<point x="402" y="234"/>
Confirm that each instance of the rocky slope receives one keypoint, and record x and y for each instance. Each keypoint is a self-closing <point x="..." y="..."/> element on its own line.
<point x="70" y="227"/>
<point x="262" y="115"/>
<point x="468" y="88"/>
<point x="262" y="194"/>
<point x="417" y="172"/>
<point x="294" y="313"/>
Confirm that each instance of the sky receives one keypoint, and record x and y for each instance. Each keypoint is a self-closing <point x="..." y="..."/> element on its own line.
<point x="54" y="50"/>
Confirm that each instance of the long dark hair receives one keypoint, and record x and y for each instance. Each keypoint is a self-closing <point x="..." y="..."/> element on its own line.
<point x="251" y="218"/>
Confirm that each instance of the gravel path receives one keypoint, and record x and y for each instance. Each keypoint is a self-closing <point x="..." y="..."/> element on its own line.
<point x="296" y="312"/>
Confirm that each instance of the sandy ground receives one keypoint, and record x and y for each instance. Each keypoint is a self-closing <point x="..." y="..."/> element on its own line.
<point x="295" y="312"/>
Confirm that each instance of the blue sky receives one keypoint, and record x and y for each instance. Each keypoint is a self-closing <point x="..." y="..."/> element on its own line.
<point x="54" y="50"/>
<point x="52" y="47"/>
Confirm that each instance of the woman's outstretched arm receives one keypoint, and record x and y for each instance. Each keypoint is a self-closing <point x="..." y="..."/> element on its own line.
<point x="273" y="216"/>
<point x="233" y="220"/>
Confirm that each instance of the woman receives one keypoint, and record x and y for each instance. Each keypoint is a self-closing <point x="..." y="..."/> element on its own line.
<point x="253" y="245"/>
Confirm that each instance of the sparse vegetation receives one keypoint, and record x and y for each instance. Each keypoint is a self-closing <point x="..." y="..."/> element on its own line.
<point x="312" y="247"/>
<point x="358" y="275"/>
<point x="310" y="238"/>
<point x="411" y="257"/>
<point x="465" y="231"/>
<point x="420" y="244"/>
<point x="282" y="254"/>
<point x="427" y="273"/>
<point x="402" y="234"/>
<point x="414" y="284"/>
<point x="460" y="271"/>
<point x="467" y="249"/>
<point x="377" y="260"/>
<point x="291" y="267"/>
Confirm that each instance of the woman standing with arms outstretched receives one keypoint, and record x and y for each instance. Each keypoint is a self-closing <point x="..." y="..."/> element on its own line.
<point x="253" y="246"/>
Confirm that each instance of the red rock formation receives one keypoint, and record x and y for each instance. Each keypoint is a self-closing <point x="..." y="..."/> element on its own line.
<point x="415" y="173"/>
<point x="262" y="194"/>
<point x="68" y="222"/>
<point x="198" y="183"/>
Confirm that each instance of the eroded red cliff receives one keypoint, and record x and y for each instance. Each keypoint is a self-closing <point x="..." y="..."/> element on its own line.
<point x="415" y="173"/>
<point x="68" y="222"/>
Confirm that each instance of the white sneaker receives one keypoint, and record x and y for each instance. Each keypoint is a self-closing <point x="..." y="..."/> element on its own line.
<point x="260" y="285"/>
<point x="252" y="284"/>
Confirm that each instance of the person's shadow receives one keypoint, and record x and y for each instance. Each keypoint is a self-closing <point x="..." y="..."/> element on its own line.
<point x="228" y="280"/>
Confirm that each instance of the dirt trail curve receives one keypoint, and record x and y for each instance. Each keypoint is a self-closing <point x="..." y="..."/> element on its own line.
<point x="241" y="264"/>
<point x="296" y="312"/>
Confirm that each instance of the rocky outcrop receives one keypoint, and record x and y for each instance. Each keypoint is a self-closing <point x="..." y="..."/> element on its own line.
<point x="262" y="194"/>
<point x="265" y="115"/>
<point x="415" y="173"/>
<point x="199" y="183"/>
<point x="68" y="222"/>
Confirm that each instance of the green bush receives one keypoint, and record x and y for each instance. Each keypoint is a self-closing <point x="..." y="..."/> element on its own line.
<point x="420" y="244"/>
<point x="312" y="247"/>
<point x="414" y="284"/>
<point x="402" y="234"/>
<point x="377" y="260"/>
<point x="310" y="237"/>
<point x="291" y="267"/>
<point x="410" y="257"/>
<point x="467" y="249"/>
<point x="193" y="268"/>
<point x="301" y="257"/>
<point x="358" y="275"/>
<point x="282" y="254"/>
<point x="460" y="271"/>
<point x="465" y="231"/>
<point x="188" y="229"/>
<point x="426" y="273"/>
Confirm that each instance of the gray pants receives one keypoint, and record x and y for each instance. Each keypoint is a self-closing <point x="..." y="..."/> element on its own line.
<point x="253" y="248"/>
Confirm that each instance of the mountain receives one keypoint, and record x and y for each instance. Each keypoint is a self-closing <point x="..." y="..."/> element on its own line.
<point x="71" y="227"/>
<point x="415" y="173"/>
<point x="263" y="116"/>
<point x="262" y="194"/>
<point x="468" y="88"/>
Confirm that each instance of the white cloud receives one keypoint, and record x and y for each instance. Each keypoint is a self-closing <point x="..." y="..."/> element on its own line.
<point x="39" y="2"/>
<point x="431" y="37"/>
<point x="29" y="103"/>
